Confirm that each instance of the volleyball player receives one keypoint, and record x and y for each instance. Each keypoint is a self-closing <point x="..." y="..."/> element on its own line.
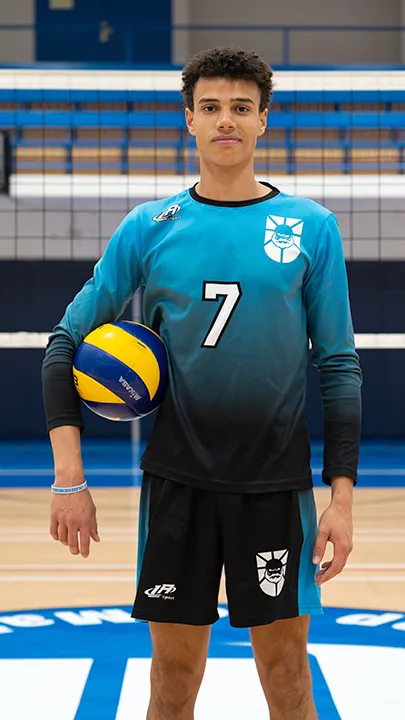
<point x="239" y="277"/>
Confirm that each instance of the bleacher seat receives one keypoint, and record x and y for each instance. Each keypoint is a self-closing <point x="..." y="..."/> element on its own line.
<point x="143" y="132"/>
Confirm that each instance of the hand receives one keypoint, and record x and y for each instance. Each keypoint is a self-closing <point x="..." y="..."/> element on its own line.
<point x="73" y="516"/>
<point x="335" y="526"/>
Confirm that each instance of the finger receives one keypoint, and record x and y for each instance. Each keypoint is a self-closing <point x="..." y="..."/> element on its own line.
<point x="53" y="528"/>
<point x="94" y="532"/>
<point x="73" y="541"/>
<point x="320" y="546"/>
<point x="334" y="568"/>
<point x="85" y="543"/>
<point x="63" y="534"/>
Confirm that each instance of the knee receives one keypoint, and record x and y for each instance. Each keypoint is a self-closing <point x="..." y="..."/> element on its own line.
<point x="288" y="679"/>
<point x="175" y="684"/>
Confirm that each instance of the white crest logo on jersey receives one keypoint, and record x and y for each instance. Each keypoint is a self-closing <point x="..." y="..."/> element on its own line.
<point x="169" y="214"/>
<point x="282" y="240"/>
<point x="271" y="568"/>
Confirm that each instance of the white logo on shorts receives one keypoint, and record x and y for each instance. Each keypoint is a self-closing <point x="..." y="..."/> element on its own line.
<point x="161" y="591"/>
<point x="271" y="568"/>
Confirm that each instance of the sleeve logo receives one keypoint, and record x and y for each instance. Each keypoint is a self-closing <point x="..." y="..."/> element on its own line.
<point x="169" y="214"/>
<point x="282" y="240"/>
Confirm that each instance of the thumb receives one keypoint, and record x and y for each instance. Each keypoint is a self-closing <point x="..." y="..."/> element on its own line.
<point x="320" y="546"/>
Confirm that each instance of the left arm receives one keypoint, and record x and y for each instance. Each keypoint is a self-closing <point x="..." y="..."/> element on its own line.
<point x="331" y="332"/>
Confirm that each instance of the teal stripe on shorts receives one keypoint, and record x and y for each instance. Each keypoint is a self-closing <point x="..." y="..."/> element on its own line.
<point x="143" y="522"/>
<point x="309" y="595"/>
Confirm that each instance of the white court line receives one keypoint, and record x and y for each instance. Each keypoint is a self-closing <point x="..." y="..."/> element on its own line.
<point x="67" y="578"/>
<point x="69" y="568"/>
<point x="131" y="530"/>
<point x="63" y="567"/>
<point x="381" y="531"/>
<point x="47" y="538"/>
<point x="32" y="539"/>
<point x="40" y="531"/>
<point x="377" y="538"/>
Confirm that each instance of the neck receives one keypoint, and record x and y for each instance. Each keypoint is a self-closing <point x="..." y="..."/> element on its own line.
<point x="229" y="183"/>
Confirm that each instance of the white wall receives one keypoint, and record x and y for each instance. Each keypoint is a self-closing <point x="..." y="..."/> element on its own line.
<point x="17" y="46"/>
<point x="306" y="47"/>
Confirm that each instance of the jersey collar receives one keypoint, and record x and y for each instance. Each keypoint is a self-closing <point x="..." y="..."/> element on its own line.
<point x="234" y="203"/>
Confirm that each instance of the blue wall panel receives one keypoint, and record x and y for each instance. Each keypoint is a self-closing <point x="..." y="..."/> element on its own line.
<point x="140" y="32"/>
<point x="33" y="296"/>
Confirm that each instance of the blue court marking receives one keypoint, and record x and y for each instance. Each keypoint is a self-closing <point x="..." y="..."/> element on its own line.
<point x="101" y="694"/>
<point x="115" y="463"/>
<point x="110" y="638"/>
<point x="324" y="703"/>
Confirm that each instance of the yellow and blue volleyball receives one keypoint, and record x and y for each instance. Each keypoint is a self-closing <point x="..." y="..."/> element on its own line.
<point x="120" y="370"/>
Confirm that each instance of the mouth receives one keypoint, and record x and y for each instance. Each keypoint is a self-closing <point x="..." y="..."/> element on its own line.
<point x="226" y="140"/>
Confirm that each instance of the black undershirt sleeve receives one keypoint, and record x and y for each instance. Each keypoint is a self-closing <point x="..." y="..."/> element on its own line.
<point x="61" y="400"/>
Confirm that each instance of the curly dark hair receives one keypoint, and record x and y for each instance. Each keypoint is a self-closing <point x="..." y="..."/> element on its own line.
<point x="227" y="62"/>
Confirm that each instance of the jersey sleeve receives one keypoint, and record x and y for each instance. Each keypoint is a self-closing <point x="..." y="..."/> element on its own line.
<point x="103" y="298"/>
<point x="330" y="330"/>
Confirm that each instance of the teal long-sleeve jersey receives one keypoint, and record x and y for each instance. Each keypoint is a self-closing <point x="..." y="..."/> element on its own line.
<point x="237" y="291"/>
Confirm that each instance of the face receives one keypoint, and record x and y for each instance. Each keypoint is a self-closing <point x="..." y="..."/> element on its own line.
<point x="274" y="571"/>
<point x="226" y="120"/>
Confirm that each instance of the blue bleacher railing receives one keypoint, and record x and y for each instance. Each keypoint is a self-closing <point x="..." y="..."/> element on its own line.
<point x="127" y="33"/>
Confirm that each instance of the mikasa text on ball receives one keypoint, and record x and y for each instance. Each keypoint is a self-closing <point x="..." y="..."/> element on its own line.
<point x="120" y="370"/>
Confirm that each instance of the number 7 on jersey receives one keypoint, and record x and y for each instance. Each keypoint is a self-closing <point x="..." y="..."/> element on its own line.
<point x="232" y="293"/>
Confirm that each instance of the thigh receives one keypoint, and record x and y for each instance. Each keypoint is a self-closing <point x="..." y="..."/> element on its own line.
<point x="281" y="641"/>
<point x="180" y="646"/>
<point x="180" y="555"/>
<point x="268" y="542"/>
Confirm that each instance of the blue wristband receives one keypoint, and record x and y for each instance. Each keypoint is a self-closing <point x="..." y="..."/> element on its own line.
<point x="68" y="490"/>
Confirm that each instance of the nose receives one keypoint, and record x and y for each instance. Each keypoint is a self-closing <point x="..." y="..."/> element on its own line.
<point x="225" y="121"/>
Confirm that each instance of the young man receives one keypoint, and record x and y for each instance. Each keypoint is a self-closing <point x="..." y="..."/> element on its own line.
<point x="238" y="278"/>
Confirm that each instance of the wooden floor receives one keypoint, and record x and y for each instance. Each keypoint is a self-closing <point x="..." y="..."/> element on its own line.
<point x="37" y="572"/>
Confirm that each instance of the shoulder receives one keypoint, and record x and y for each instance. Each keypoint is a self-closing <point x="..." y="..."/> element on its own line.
<point x="157" y="211"/>
<point x="303" y="208"/>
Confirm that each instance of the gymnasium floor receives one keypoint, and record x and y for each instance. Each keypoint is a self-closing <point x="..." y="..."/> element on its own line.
<point x="64" y="622"/>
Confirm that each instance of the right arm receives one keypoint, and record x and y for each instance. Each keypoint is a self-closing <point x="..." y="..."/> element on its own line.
<point x="102" y="299"/>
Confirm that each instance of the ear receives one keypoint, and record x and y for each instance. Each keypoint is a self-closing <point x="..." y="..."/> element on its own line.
<point x="190" y="121"/>
<point x="263" y="121"/>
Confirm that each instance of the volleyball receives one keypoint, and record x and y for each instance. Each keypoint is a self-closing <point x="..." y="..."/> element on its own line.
<point x="120" y="370"/>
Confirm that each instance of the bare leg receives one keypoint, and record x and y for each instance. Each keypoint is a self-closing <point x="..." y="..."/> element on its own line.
<point x="280" y="651"/>
<point x="178" y="663"/>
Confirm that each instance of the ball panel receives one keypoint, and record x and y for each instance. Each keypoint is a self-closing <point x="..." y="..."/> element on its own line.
<point x="135" y="328"/>
<point x="114" y="375"/>
<point x="112" y="411"/>
<point x="128" y="349"/>
<point x="147" y="336"/>
<point x="92" y="391"/>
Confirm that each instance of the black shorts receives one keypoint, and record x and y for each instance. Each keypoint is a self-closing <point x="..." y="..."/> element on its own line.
<point x="186" y="536"/>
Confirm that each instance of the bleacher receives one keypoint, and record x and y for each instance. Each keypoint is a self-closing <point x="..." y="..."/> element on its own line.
<point x="128" y="132"/>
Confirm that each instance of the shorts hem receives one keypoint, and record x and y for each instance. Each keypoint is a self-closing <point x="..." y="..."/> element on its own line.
<point x="255" y="621"/>
<point x="304" y="482"/>
<point x="147" y="617"/>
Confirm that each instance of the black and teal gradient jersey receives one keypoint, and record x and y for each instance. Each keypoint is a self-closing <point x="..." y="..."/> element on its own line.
<point x="236" y="290"/>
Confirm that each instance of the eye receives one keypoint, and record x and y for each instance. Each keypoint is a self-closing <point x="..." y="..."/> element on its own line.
<point x="242" y="109"/>
<point x="209" y="108"/>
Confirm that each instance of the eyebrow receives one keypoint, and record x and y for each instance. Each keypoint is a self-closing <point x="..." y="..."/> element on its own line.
<point x="245" y="100"/>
